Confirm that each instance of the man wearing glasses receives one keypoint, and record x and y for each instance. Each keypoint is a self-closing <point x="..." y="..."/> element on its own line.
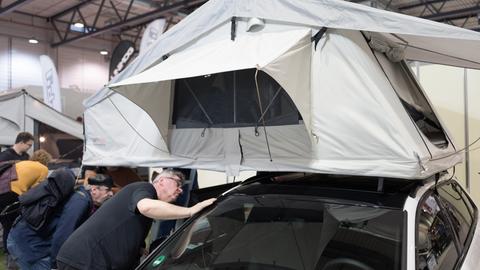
<point x="114" y="237"/>
<point x="18" y="151"/>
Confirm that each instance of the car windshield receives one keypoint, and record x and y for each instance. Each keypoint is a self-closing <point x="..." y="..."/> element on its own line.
<point x="285" y="232"/>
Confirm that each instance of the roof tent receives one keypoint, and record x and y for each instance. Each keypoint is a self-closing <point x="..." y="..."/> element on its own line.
<point x="321" y="86"/>
<point x="19" y="111"/>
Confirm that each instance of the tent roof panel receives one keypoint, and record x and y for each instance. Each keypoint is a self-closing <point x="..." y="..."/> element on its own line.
<point x="447" y="44"/>
<point x="246" y="51"/>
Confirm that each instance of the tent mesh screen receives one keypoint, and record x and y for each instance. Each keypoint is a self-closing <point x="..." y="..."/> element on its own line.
<point x="230" y="99"/>
<point x="420" y="110"/>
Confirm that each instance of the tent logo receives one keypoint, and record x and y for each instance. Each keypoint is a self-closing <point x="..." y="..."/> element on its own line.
<point x="123" y="61"/>
<point x="51" y="88"/>
<point x="153" y="35"/>
<point x="121" y="56"/>
<point x="50" y="94"/>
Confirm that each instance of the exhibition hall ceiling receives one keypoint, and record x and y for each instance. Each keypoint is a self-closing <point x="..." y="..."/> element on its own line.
<point x="126" y="19"/>
<point x="461" y="13"/>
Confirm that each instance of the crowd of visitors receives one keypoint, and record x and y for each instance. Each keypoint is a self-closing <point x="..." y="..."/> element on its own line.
<point x="58" y="220"/>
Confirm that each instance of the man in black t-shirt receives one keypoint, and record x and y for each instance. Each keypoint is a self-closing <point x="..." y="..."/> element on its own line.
<point x="18" y="151"/>
<point x="114" y="236"/>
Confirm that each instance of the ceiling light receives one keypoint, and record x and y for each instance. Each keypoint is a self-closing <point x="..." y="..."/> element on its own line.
<point x="77" y="27"/>
<point x="33" y="40"/>
<point x="104" y="52"/>
<point x="42" y="139"/>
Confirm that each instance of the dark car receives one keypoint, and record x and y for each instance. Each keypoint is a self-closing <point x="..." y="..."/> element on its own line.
<point x="298" y="221"/>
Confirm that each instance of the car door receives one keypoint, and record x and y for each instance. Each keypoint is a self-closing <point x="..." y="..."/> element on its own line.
<point x="462" y="214"/>
<point x="445" y="226"/>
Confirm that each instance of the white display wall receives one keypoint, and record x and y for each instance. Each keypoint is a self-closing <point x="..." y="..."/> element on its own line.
<point x="4" y="63"/>
<point x="81" y="69"/>
<point x="446" y="89"/>
<point x="25" y="63"/>
<point x="79" y="64"/>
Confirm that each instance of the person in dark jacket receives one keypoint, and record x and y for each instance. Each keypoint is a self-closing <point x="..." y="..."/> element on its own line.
<point x="36" y="249"/>
<point x="18" y="151"/>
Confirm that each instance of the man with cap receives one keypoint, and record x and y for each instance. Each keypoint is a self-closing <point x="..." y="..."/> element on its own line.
<point x="38" y="249"/>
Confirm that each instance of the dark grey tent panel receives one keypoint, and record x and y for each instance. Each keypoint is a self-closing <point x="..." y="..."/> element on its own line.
<point x="230" y="99"/>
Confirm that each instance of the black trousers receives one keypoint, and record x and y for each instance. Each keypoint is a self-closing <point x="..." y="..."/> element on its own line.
<point x="8" y="219"/>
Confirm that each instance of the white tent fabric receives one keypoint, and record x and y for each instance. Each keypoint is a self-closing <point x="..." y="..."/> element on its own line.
<point x="353" y="118"/>
<point x="72" y="98"/>
<point x="275" y="53"/>
<point x="359" y="116"/>
<point x="19" y="110"/>
<point x="424" y="40"/>
<point x="248" y="51"/>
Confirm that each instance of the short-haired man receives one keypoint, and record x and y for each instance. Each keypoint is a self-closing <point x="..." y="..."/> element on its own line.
<point x="18" y="151"/>
<point x="33" y="249"/>
<point x="114" y="237"/>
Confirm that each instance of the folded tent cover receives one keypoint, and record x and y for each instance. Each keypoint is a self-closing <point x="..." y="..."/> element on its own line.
<point x="311" y="90"/>
<point x="19" y="111"/>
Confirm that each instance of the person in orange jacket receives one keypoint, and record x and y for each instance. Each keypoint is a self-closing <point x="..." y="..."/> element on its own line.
<point x="22" y="176"/>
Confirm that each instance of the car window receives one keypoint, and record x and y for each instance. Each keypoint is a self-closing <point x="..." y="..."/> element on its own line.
<point x="454" y="203"/>
<point x="286" y="232"/>
<point x="435" y="241"/>
<point x="468" y="201"/>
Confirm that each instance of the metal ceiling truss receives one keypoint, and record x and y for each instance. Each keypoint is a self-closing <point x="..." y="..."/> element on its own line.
<point x="130" y="25"/>
<point x="429" y="6"/>
<point x="132" y="33"/>
<point x="435" y="10"/>
<point x="454" y="14"/>
<point x="421" y="3"/>
<point x="5" y="9"/>
<point x="457" y="17"/>
<point x="125" y="19"/>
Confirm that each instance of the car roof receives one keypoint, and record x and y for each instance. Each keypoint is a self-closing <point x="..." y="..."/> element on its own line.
<point x="358" y="190"/>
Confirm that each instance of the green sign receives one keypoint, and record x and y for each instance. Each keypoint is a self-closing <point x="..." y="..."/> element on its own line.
<point x="159" y="260"/>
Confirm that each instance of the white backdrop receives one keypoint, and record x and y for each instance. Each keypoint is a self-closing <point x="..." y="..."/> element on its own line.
<point x="445" y="88"/>
<point x="79" y="66"/>
<point x="4" y="63"/>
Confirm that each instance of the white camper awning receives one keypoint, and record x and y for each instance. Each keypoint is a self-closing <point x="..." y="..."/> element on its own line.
<point x="246" y="51"/>
<point x="18" y="110"/>
<point x="39" y="111"/>
<point x="275" y="53"/>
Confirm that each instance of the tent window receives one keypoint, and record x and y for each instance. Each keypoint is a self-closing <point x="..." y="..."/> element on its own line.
<point x="413" y="100"/>
<point x="229" y="99"/>
<point x="62" y="146"/>
<point x="419" y="109"/>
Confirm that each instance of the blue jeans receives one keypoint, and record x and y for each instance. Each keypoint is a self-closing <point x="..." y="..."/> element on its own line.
<point x="16" y="253"/>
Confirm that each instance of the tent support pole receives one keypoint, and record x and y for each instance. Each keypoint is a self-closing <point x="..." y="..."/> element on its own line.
<point x="198" y="102"/>
<point x="269" y="105"/>
<point x="233" y="30"/>
<point x="261" y="111"/>
<point x="467" y="130"/>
